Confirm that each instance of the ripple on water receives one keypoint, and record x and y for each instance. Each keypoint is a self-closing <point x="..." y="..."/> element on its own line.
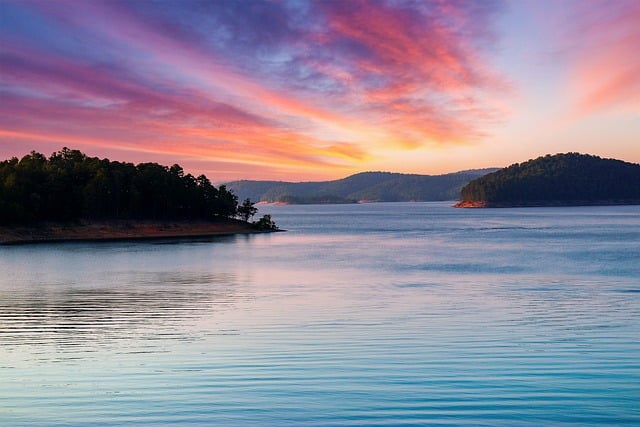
<point x="437" y="317"/>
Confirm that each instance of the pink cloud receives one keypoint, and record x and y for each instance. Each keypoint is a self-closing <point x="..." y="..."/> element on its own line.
<point x="603" y="40"/>
<point x="412" y="68"/>
<point x="324" y="90"/>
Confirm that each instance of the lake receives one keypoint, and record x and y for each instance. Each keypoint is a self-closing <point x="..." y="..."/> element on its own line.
<point x="372" y="314"/>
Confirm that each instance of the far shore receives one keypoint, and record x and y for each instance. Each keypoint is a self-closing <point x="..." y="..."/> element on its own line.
<point x="120" y="230"/>
<point x="542" y="204"/>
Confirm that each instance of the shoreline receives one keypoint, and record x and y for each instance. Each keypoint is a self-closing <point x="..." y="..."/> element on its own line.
<point x="86" y="231"/>
<point x="480" y="204"/>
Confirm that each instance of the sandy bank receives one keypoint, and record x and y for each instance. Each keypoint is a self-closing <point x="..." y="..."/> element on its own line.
<point x="120" y="230"/>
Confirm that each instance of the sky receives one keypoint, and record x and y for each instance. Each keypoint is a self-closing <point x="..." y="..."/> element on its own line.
<point x="316" y="90"/>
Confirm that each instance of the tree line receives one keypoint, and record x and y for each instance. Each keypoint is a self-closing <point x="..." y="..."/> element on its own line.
<point x="70" y="186"/>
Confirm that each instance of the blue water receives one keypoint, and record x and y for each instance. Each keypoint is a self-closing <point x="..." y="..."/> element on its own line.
<point x="378" y="314"/>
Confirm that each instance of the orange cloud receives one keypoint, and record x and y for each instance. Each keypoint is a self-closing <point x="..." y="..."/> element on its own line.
<point x="324" y="87"/>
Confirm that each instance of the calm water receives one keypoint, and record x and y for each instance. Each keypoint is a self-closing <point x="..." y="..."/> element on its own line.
<point x="404" y="314"/>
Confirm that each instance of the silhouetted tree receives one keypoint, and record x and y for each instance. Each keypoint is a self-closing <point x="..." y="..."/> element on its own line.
<point x="247" y="210"/>
<point x="266" y="223"/>
<point x="70" y="185"/>
<point x="226" y="203"/>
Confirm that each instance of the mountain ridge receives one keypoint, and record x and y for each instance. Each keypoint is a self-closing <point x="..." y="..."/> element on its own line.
<point x="368" y="186"/>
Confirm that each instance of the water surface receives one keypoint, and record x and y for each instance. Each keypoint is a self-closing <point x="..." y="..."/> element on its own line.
<point x="399" y="313"/>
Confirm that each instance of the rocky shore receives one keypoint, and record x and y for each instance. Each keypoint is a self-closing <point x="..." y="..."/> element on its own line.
<point x="542" y="204"/>
<point x="470" y="204"/>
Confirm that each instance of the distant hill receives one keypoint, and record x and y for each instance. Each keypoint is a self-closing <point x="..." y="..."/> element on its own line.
<point x="561" y="179"/>
<point x="366" y="186"/>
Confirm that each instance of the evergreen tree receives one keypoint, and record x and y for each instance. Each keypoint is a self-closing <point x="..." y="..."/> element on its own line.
<point x="70" y="185"/>
<point x="247" y="210"/>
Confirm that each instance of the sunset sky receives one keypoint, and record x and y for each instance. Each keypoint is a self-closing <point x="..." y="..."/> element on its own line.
<point x="295" y="90"/>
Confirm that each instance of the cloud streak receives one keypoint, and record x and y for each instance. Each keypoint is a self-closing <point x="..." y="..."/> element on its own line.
<point x="602" y="47"/>
<point x="290" y="86"/>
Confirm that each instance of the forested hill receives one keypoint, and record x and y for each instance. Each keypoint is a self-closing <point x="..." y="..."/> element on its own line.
<point x="70" y="186"/>
<point x="561" y="179"/>
<point x="366" y="186"/>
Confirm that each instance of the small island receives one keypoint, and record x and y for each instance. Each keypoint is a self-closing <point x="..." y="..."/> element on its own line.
<point x="70" y="196"/>
<point x="570" y="179"/>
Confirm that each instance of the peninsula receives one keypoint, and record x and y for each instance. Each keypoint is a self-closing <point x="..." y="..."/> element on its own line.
<point x="70" y="196"/>
<point x="570" y="179"/>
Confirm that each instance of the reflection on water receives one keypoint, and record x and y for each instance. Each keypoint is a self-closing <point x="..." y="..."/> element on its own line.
<point x="142" y="305"/>
<point x="413" y="314"/>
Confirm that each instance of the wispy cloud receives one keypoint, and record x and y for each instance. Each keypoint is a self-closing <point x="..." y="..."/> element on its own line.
<point x="602" y="42"/>
<point x="287" y="85"/>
